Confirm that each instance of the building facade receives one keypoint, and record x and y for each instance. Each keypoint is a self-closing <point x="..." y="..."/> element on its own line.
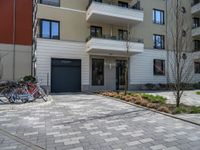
<point x="84" y="44"/>
<point x="15" y="38"/>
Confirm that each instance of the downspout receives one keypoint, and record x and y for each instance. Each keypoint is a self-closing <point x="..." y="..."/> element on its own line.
<point x="166" y="7"/>
<point x="14" y="36"/>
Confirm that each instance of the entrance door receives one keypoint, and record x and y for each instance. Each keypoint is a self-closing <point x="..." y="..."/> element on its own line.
<point x="120" y="74"/>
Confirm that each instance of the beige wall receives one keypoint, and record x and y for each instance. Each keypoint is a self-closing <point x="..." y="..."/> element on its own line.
<point x="73" y="25"/>
<point x="23" y="59"/>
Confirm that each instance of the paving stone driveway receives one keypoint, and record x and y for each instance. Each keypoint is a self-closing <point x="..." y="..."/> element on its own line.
<point x="86" y="122"/>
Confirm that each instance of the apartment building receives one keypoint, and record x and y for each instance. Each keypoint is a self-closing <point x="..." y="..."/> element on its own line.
<point x="82" y="44"/>
<point x="15" y="38"/>
<point x="195" y="11"/>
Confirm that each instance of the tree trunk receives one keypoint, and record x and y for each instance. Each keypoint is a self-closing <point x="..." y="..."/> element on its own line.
<point x="126" y="78"/>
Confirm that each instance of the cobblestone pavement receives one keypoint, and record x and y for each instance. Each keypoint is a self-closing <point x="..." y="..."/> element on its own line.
<point x="86" y="122"/>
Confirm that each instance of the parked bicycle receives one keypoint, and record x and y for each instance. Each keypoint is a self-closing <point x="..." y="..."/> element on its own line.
<point x="22" y="91"/>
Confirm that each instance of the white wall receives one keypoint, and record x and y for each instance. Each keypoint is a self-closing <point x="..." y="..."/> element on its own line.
<point x="141" y="67"/>
<point x="47" y="49"/>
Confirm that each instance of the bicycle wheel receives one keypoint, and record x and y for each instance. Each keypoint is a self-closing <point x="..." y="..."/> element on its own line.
<point x="43" y="94"/>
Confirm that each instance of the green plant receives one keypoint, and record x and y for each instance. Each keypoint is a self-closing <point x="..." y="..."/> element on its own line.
<point x="195" y="110"/>
<point x="154" y="98"/>
<point x="150" y="86"/>
<point x="179" y="110"/>
<point x="29" y="79"/>
<point x="198" y="93"/>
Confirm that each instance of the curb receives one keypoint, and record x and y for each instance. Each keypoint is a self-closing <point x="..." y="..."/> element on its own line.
<point x="153" y="110"/>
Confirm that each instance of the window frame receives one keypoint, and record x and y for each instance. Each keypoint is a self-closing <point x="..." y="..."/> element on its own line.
<point x="50" y="29"/>
<point x="58" y="5"/>
<point x="196" y="45"/>
<point x="162" y="17"/>
<point x="96" y="27"/>
<point x="155" y="42"/>
<point x="123" y="34"/>
<point x="156" y="73"/>
<point x="196" y="71"/>
<point x="103" y="72"/>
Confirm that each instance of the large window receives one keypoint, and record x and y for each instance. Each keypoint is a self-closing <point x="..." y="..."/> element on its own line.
<point x="50" y="29"/>
<point x="197" y="67"/>
<point x="158" y="16"/>
<point x="122" y="34"/>
<point x="98" y="72"/>
<point x="158" y="41"/>
<point x="196" y="45"/>
<point x="159" y="67"/>
<point x="50" y="2"/>
<point x="95" y="31"/>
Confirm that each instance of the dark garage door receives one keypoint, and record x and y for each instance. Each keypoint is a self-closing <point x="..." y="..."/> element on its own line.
<point x="65" y="75"/>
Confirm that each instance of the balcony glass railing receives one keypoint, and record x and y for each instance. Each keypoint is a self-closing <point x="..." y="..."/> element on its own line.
<point x="116" y="38"/>
<point x="115" y="4"/>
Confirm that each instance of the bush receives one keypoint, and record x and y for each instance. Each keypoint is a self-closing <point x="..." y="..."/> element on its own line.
<point x="152" y="105"/>
<point x="198" y="93"/>
<point x="150" y="86"/>
<point x="164" y="109"/>
<point x="195" y="110"/>
<point x="154" y="99"/>
<point x="29" y="79"/>
<point x="179" y="110"/>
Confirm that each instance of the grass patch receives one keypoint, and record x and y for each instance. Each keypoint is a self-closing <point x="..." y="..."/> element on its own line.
<point x="198" y="93"/>
<point x="154" y="98"/>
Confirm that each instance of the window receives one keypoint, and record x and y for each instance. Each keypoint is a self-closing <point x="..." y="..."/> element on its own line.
<point x="97" y="72"/>
<point x="196" y="22"/>
<point x="122" y="4"/>
<point x="50" y="2"/>
<point x="158" y="16"/>
<point x="159" y="41"/>
<point x="122" y="34"/>
<point x="95" y="31"/>
<point x="197" y="67"/>
<point x="50" y="29"/>
<point x="159" y="67"/>
<point x="196" y="45"/>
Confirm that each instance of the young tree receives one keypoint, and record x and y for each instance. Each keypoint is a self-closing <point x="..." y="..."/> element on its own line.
<point x="127" y="39"/>
<point x="180" y="49"/>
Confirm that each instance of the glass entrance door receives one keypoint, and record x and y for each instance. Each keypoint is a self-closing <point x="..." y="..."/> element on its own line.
<point x="120" y="74"/>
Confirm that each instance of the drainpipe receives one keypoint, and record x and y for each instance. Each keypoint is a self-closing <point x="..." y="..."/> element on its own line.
<point x="14" y="36"/>
<point x="166" y="7"/>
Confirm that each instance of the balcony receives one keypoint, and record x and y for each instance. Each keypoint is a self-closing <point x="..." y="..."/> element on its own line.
<point x="196" y="32"/>
<point x="111" y="45"/>
<point x="112" y="14"/>
<point x="196" y="7"/>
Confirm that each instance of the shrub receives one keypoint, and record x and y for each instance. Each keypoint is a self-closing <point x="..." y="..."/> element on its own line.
<point x="29" y="79"/>
<point x="198" y="93"/>
<point x="144" y="103"/>
<point x="150" y="86"/>
<point x="195" y="110"/>
<point x="164" y="109"/>
<point x="154" y="99"/>
<point x="179" y="110"/>
<point x="152" y="105"/>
